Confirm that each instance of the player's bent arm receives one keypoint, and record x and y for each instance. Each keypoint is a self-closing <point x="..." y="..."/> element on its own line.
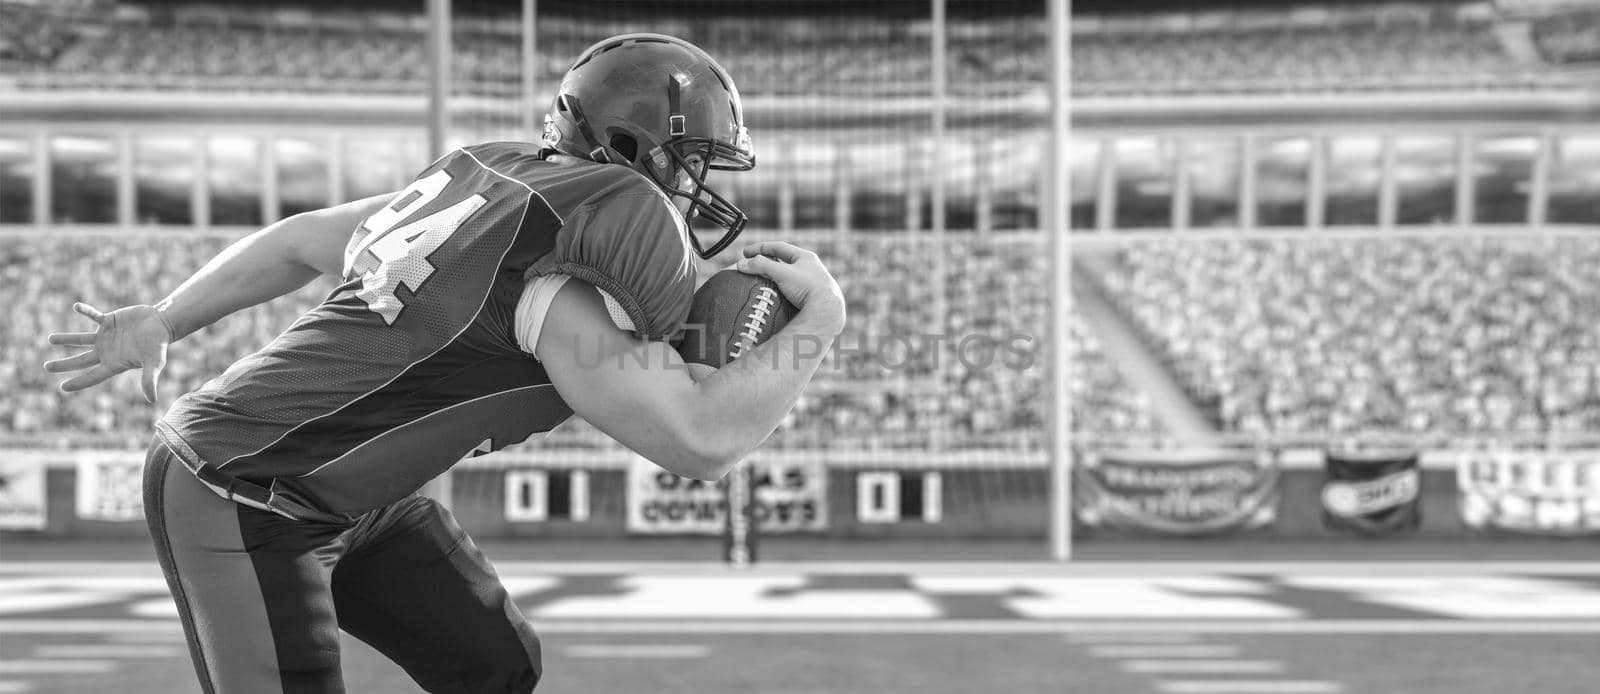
<point x="266" y="265"/>
<point x="642" y="394"/>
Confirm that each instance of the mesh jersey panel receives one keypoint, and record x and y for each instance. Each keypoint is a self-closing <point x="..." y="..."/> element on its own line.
<point x="413" y="361"/>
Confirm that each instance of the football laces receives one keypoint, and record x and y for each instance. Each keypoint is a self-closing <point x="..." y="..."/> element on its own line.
<point x="766" y="299"/>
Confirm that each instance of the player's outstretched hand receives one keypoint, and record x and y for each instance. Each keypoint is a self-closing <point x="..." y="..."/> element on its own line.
<point x="130" y="337"/>
<point x="798" y="273"/>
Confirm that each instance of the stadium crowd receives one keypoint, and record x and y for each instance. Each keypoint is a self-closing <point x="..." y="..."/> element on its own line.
<point x="1313" y="336"/>
<point x="947" y="339"/>
<point x="1447" y="334"/>
<point x="1406" y="55"/>
<point x="244" y="48"/>
<point x="975" y="377"/>
<point x="1571" y="37"/>
<point x="43" y="275"/>
<point x="31" y="38"/>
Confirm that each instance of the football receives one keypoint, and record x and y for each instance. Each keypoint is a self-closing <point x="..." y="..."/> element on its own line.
<point x="731" y="314"/>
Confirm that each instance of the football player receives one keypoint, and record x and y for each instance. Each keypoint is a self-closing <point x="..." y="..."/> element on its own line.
<point x="507" y="288"/>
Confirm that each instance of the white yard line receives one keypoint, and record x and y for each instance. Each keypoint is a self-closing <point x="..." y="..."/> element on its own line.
<point x="55" y="667"/>
<point x="1201" y="667"/>
<point x="639" y="650"/>
<point x="169" y="636"/>
<point x="1131" y="638"/>
<point x="1248" y="687"/>
<point x="96" y="650"/>
<point x="1197" y="650"/>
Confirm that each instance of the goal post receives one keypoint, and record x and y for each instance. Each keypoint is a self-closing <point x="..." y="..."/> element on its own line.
<point x="1058" y="222"/>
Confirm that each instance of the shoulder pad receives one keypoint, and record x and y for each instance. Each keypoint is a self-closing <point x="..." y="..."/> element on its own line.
<point x="631" y="243"/>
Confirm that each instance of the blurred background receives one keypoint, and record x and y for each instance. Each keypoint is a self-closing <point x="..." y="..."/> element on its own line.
<point x="1331" y="280"/>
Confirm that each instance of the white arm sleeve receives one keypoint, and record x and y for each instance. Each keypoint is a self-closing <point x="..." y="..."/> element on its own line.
<point x="535" y="305"/>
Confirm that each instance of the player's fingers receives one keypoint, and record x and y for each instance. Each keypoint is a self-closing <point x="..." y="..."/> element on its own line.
<point x="82" y="360"/>
<point x="765" y="266"/>
<point x="73" y="339"/>
<point x="89" y="312"/>
<point x="786" y="252"/>
<point x="152" y="374"/>
<point x="87" y="379"/>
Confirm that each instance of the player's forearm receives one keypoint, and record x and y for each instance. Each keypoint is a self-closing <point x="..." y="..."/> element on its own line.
<point x="740" y="405"/>
<point x="258" y="268"/>
<point x="266" y="265"/>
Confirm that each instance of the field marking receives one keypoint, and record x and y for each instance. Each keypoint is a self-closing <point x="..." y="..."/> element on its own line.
<point x="175" y="636"/>
<point x="923" y="626"/>
<point x="15" y="687"/>
<point x="737" y="597"/>
<point x="95" y="650"/>
<point x="640" y="650"/>
<point x="1130" y="638"/>
<point x="1201" y="667"/>
<point x="55" y="667"/>
<point x="1249" y="687"/>
<point x="1197" y="650"/>
<point x="1328" y="567"/>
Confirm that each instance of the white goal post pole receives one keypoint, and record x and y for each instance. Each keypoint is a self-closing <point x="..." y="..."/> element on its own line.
<point x="532" y="121"/>
<point x="1058" y="224"/>
<point x="438" y="47"/>
<point x="936" y="166"/>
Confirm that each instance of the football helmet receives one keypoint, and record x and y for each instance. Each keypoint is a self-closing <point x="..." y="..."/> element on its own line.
<point x="665" y="108"/>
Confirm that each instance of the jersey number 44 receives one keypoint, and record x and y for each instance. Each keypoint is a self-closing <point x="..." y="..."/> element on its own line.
<point x="385" y="255"/>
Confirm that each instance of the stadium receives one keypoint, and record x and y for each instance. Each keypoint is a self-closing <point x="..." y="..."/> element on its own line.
<point x="1275" y="372"/>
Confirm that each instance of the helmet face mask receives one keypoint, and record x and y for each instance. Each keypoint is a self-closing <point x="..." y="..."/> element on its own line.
<point x="664" y="108"/>
<point x="693" y="160"/>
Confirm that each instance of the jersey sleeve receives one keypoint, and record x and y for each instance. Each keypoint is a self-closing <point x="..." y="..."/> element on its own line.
<point x="633" y="246"/>
<point x="534" y="306"/>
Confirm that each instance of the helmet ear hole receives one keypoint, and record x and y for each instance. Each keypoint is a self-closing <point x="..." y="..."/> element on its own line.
<point x="626" y="146"/>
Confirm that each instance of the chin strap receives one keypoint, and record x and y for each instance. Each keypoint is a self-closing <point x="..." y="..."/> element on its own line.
<point x="599" y="153"/>
<point x="677" y="125"/>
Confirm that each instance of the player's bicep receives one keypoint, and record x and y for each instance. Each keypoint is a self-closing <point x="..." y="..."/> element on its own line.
<point x="639" y="393"/>
<point x="318" y="238"/>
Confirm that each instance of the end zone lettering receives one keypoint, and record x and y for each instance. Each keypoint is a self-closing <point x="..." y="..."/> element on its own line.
<point x="789" y="497"/>
<point x="678" y="511"/>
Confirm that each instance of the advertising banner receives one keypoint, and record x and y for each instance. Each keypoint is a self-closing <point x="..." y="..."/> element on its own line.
<point x="1372" y="493"/>
<point x="1177" y="492"/>
<point x="1536" y="492"/>
<point x="110" y="485"/>
<point x="22" y="490"/>
<point x="789" y="497"/>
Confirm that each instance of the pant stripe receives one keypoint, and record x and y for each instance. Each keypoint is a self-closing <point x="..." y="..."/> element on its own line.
<point x="155" y="476"/>
<point x="202" y="551"/>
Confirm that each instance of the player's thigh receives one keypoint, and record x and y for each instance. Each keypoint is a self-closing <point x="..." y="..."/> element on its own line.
<point x="252" y="588"/>
<point x="418" y="590"/>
